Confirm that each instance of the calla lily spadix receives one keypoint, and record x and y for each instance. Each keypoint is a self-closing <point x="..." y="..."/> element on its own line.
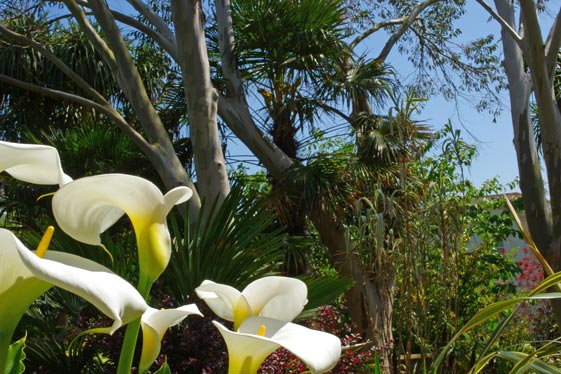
<point x="88" y="206"/>
<point x="24" y="276"/>
<point x="258" y="337"/>
<point x="32" y="163"/>
<point x="275" y="297"/>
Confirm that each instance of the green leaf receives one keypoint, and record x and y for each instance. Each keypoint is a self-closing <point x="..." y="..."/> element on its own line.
<point x="16" y="355"/>
<point x="323" y="291"/>
<point x="534" y="363"/>
<point x="164" y="369"/>
<point x="495" y="309"/>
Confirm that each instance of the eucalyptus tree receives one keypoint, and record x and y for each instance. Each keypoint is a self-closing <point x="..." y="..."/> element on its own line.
<point x="530" y="63"/>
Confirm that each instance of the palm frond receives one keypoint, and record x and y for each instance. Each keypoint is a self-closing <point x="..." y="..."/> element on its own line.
<point x="234" y="245"/>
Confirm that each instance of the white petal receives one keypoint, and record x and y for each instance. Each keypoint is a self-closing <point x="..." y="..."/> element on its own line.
<point x="111" y="294"/>
<point x="281" y="298"/>
<point x="246" y="352"/>
<point x="176" y="196"/>
<point x="220" y="298"/>
<point x="33" y="163"/>
<point x="319" y="350"/>
<point x="18" y="286"/>
<point x="88" y="206"/>
<point x="154" y="325"/>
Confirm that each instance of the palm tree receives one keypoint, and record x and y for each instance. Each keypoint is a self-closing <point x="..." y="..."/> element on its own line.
<point x="304" y="79"/>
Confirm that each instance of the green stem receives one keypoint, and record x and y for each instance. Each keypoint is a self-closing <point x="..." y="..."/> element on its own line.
<point x="127" y="350"/>
<point x="131" y="335"/>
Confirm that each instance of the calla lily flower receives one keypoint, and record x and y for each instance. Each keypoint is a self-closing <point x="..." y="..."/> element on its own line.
<point x="88" y="206"/>
<point x="33" y="163"/>
<point x="275" y="297"/>
<point x="258" y="337"/>
<point x="24" y="276"/>
<point x="154" y="324"/>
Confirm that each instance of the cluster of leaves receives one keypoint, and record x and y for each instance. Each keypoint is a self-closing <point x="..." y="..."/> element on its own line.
<point x="454" y="236"/>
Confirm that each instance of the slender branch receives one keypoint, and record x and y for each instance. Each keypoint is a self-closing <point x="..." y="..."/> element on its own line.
<point x="108" y="110"/>
<point x="167" y="44"/>
<point x="403" y="28"/>
<point x="377" y="27"/>
<point x="233" y="108"/>
<point x="552" y="46"/>
<point x="164" y="39"/>
<point x="154" y="19"/>
<point x="98" y="43"/>
<point x="57" y="62"/>
<point x="504" y="24"/>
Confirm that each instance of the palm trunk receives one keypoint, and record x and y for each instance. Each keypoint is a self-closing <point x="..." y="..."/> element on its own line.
<point x="370" y="300"/>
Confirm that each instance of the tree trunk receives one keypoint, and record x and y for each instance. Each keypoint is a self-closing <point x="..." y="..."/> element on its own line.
<point x="531" y="181"/>
<point x="160" y="148"/>
<point x="212" y="177"/>
<point x="544" y="229"/>
<point x="370" y="301"/>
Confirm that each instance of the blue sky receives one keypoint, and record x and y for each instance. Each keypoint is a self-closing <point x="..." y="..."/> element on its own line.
<point x="496" y="157"/>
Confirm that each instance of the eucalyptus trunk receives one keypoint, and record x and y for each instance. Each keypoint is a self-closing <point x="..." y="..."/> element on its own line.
<point x="202" y="99"/>
<point x="528" y="49"/>
<point x="157" y="146"/>
<point x="531" y="180"/>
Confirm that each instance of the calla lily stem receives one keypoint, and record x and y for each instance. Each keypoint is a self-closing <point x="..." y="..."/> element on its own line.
<point x="127" y="350"/>
<point x="131" y="334"/>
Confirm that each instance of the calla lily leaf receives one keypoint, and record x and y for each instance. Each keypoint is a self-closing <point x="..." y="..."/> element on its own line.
<point x="257" y="337"/>
<point x="88" y="206"/>
<point x="154" y="324"/>
<point x="275" y="297"/>
<point x="16" y="355"/>
<point x="32" y="163"/>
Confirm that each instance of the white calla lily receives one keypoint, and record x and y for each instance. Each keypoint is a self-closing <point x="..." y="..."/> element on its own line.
<point x="24" y="276"/>
<point x="258" y="337"/>
<point x="88" y="206"/>
<point x="33" y="163"/>
<point x="111" y="294"/>
<point x="275" y="297"/>
<point x="154" y="324"/>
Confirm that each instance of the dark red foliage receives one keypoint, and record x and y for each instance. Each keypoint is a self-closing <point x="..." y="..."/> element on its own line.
<point x="329" y="319"/>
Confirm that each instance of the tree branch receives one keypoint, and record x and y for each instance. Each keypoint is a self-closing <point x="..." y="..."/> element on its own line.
<point x="163" y="39"/>
<point x="552" y="46"/>
<point x="57" y="62"/>
<point x="106" y="109"/>
<point x="233" y="107"/>
<point x="91" y="34"/>
<point x="504" y="24"/>
<point x="154" y="19"/>
<point x="127" y="74"/>
<point x="404" y="26"/>
<point x="374" y="29"/>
